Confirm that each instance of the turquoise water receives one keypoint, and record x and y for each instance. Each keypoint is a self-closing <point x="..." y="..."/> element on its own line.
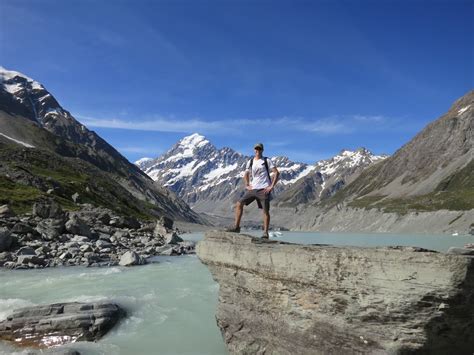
<point x="171" y="304"/>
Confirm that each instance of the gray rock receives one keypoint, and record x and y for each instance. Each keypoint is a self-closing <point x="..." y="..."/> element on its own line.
<point x="76" y="225"/>
<point x="60" y="323"/>
<point x="75" y="197"/>
<point x="281" y="298"/>
<point x="131" y="258"/>
<point x="42" y="250"/>
<point x="121" y="234"/>
<point x="48" y="209"/>
<point x="80" y="239"/>
<point x="159" y="231"/>
<point x="26" y="251"/>
<point x="103" y="244"/>
<point x="85" y="248"/>
<point x="4" y="257"/>
<point x="50" y="229"/>
<point x="66" y="255"/>
<point x="22" y="228"/>
<point x="461" y="251"/>
<point x="166" y="250"/>
<point x="172" y="238"/>
<point x="5" y="211"/>
<point x="29" y="259"/>
<point x="5" y="239"/>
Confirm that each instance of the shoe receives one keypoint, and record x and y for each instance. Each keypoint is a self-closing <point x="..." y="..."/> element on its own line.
<point x="265" y="236"/>
<point x="233" y="229"/>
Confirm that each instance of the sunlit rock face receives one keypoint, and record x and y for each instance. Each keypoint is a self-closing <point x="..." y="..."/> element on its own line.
<point x="280" y="298"/>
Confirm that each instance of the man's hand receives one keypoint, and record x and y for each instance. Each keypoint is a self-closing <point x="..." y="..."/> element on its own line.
<point x="268" y="190"/>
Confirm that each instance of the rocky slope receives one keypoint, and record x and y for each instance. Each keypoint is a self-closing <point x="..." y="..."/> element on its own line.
<point x="312" y="299"/>
<point x="427" y="186"/>
<point x="434" y="170"/>
<point x="210" y="179"/>
<point x="43" y="148"/>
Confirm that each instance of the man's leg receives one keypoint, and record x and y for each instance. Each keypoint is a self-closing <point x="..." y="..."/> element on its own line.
<point x="239" y="208"/>
<point x="266" y="221"/>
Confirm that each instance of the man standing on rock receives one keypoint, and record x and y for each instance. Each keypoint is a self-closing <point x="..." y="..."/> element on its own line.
<point x="259" y="186"/>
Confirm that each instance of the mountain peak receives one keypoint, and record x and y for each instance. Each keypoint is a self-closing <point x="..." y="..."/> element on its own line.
<point x="12" y="81"/>
<point x="194" y="140"/>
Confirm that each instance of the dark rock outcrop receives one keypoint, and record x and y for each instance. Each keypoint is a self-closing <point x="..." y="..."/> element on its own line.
<point x="311" y="299"/>
<point x="60" y="323"/>
<point x="5" y="239"/>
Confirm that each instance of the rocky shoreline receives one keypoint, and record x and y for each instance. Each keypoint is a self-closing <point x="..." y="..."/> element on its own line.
<point x="91" y="236"/>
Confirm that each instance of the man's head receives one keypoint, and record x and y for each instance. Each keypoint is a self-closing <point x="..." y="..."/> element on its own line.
<point x="258" y="147"/>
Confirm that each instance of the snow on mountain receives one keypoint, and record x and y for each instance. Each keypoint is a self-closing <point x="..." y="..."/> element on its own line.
<point x="13" y="81"/>
<point x="209" y="179"/>
<point x="199" y="172"/>
<point x="347" y="159"/>
<point x="27" y="145"/>
<point x="327" y="177"/>
<point x="143" y="162"/>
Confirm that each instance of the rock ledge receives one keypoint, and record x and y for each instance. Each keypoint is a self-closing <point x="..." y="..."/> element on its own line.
<point x="310" y="299"/>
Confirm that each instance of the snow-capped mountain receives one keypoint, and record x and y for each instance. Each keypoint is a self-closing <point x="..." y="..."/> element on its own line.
<point x="23" y="95"/>
<point x="209" y="179"/>
<point x="329" y="176"/>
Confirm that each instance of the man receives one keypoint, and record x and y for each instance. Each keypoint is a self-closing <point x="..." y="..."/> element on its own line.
<point x="258" y="185"/>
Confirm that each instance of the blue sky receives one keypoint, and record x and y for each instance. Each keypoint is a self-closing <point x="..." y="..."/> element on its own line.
<point x="307" y="78"/>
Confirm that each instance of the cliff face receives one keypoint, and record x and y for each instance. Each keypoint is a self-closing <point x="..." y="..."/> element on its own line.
<point x="313" y="299"/>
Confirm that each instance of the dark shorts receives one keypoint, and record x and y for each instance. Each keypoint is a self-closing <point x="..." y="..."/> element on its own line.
<point x="263" y="199"/>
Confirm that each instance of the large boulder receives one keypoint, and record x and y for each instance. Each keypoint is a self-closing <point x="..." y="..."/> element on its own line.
<point x="281" y="298"/>
<point x="130" y="258"/>
<point x="22" y="228"/>
<point x="60" y="323"/>
<point x="75" y="225"/>
<point x="47" y="209"/>
<point x="50" y="229"/>
<point x="6" y="239"/>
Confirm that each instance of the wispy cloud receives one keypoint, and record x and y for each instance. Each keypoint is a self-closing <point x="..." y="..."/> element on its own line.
<point x="335" y="125"/>
<point x="141" y="150"/>
<point x="158" y="125"/>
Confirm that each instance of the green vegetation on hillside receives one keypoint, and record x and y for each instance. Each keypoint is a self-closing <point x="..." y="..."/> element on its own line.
<point x="26" y="175"/>
<point x="454" y="193"/>
<point x="20" y="197"/>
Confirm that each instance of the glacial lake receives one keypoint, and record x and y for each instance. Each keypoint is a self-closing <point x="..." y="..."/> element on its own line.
<point x="171" y="304"/>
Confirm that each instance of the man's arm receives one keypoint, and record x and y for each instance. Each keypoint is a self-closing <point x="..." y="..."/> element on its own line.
<point x="275" y="177"/>
<point x="247" y="181"/>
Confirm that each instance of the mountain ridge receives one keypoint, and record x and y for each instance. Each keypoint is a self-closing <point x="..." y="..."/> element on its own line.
<point x="30" y="115"/>
<point x="209" y="179"/>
